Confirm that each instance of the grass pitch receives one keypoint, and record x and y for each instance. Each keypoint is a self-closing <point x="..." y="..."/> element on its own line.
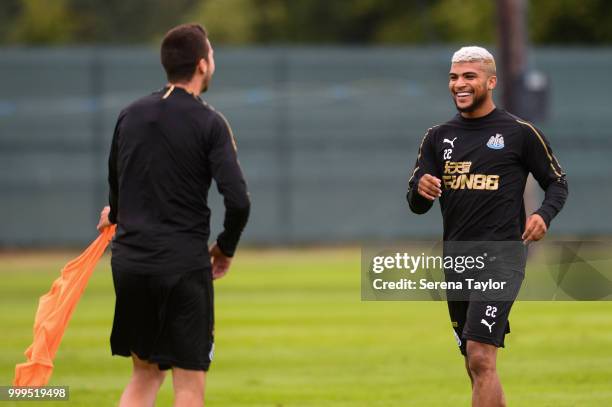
<point x="291" y="331"/>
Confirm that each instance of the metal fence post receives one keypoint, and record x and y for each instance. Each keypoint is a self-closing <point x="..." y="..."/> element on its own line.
<point x="98" y="147"/>
<point x="284" y="147"/>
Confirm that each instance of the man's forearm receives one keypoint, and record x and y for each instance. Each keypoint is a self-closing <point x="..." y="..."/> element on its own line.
<point x="112" y="201"/>
<point x="554" y="199"/>
<point x="233" y="225"/>
<point x="418" y="204"/>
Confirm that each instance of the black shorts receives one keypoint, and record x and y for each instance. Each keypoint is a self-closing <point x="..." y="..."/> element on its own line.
<point x="165" y="319"/>
<point x="480" y="321"/>
<point x="482" y="315"/>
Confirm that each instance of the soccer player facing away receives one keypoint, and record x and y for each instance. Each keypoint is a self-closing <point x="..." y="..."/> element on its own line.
<point x="167" y="148"/>
<point x="477" y="165"/>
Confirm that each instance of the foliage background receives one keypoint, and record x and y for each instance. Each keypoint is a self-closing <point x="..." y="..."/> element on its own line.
<point x="241" y="22"/>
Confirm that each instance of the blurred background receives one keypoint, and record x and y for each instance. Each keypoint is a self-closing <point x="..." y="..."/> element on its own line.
<point x="328" y="102"/>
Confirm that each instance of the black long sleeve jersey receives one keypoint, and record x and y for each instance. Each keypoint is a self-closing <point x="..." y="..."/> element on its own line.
<point x="166" y="149"/>
<point x="483" y="164"/>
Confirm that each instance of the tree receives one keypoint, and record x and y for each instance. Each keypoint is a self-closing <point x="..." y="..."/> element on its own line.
<point x="40" y="22"/>
<point x="298" y="21"/>
<point x="570" y="22"/>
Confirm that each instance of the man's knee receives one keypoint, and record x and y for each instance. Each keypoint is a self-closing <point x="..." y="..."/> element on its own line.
<point x="153" y="375"/>
<point x="481" y="358"/>
<point x="189" y="381"/>
<point x="146" y="371"/>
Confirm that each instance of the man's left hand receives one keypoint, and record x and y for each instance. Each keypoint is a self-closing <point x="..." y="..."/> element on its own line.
<point x="535" y="229"/>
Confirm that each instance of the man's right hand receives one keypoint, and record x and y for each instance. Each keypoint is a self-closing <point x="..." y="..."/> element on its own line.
<point x="430" y="187"/>
<point x="104" y="222"/>
<point x="220" y="262"/>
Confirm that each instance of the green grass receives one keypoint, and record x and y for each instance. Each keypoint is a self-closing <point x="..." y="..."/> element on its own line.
<point x="291" y="331"/>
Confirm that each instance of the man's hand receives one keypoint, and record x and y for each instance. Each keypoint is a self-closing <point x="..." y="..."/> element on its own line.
<point x="104" y="222"/>
<point x="535" y="229"/>
<point x="220" y="262"/>
<point x="429" y="187"/>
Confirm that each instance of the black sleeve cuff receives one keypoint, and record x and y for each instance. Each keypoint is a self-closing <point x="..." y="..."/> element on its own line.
<point x="418" y="203"/>
<point x="112" y="217"/>
<point x="227" y="250"/>
<point x="235" y="221"/>
<point x="554" y="200"/>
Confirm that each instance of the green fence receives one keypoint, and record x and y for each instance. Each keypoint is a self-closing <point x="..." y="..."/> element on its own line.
<point x="327" y="137"/>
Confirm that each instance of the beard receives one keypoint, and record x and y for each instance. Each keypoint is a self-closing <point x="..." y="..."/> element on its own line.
<point x="477" y="101"/>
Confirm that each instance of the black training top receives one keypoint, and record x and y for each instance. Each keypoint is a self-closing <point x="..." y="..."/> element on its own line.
<point x="483" y="164"/>
<point x="166" y="149"/>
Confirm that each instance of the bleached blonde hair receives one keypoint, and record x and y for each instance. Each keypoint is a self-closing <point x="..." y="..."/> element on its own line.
<point x="475" y="54"/>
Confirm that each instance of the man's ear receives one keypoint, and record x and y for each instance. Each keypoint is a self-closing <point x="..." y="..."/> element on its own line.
<point x="491" y="82"/>
<point x="203" y="66"/>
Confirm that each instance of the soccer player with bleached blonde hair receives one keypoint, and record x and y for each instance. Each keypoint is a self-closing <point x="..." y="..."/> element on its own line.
<point x="477" y="165"/>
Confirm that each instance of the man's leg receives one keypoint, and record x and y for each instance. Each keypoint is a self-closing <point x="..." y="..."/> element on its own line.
<point x="467" y="368"/>
<point x="144" y="384"/>
<point x="188" y="387"/>
<point x="458" y="312"/>
<point x="486" y="389"/>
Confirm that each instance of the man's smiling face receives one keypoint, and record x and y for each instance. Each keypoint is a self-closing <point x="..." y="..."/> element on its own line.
<point x="470" y="84"/>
